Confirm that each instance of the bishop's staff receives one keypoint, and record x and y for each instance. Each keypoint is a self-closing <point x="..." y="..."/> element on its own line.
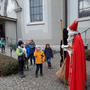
<point x="61" y="23"/>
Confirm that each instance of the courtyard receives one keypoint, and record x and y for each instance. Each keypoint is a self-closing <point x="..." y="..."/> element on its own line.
<point x="49" y="81"/>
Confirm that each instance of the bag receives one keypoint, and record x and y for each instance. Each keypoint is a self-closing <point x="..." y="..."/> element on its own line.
<point x="61" y="72"/>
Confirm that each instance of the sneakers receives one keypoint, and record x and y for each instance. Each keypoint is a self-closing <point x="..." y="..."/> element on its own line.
<point x="22" y="76"/>
<point x="41" y="74"/>
<point x="49" y="66"/>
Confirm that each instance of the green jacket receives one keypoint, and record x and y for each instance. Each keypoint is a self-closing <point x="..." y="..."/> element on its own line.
<point x="19" y="52"/>
<point x="2" y="43"/>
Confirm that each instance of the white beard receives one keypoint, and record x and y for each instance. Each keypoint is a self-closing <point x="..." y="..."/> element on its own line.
<point x="71" y="35"/>
<point x="70" y="40"/>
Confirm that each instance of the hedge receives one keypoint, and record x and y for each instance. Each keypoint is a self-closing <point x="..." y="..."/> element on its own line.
<point x="8" y="65"/>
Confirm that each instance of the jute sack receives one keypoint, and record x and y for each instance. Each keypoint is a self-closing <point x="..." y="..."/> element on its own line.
<point x="61" y="72"/>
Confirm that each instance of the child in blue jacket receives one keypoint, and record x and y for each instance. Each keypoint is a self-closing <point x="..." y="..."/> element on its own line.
<point x="49" y="54"/>
<point x="28" y="56"/>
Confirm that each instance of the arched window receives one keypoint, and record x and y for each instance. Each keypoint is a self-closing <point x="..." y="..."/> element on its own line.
<point x="84" y="8"/>
<point x="36" y="10"/>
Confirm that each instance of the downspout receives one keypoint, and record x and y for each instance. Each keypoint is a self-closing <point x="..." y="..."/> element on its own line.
<point x="5" y="7"/>
<point x="19" y="9"/>
<point x="66" y="15"/>
<point x="16" y="34"/>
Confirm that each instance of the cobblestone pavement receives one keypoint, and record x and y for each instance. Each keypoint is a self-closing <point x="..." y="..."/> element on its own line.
<point x="48" y="82"/>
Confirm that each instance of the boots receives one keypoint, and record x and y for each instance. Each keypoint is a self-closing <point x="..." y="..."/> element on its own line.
<point x="36" y="74"/>
<point x="22" y="75"/>
<point x="41" y="74"/>
<point x="49" y="66"/>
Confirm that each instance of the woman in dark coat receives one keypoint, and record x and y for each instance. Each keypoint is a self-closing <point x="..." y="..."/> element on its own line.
<point x="65" y="36"/>
<point x="32" y="50"/>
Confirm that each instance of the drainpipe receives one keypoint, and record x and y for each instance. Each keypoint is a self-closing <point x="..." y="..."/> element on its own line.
<point x="66" y="9"/>
<point x="5" y="7"/>
<point x="17" y="10"/>
<point x="16" y="33"/>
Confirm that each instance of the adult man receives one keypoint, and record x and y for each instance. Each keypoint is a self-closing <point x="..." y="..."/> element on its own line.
<point x="76" y="59"/>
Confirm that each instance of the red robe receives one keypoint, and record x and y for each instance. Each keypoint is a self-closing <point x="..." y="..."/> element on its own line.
<point x="76" y="65"/>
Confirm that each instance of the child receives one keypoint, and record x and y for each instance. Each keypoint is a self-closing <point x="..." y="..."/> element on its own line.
<point x="20" y="54"/>
<point x="0" y="43"/>
<point x="49" y="54"/>
<point x="39" y="59"/>
<point x="27" y="47"/>
<point x="3" y="44"/>
<point x="23" y="46"/>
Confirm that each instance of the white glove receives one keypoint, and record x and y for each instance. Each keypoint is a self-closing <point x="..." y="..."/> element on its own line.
<point x="62" y="46"/>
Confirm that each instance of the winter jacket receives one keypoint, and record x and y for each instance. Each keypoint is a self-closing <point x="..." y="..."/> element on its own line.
<point x="19" y="52"/>
<point x="2" y="43"/>
<point x="39" y="57"/>
<point x="61" y="50"/>
<point x="48" y="53"/>
<point x="32" y="48"/>
<point x="28" y="50"/>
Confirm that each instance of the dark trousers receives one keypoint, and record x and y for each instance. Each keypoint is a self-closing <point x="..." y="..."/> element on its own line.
<point x="3" y="49"/>
<point x="49" y="61"/>
<point x="61" y="60"/>
<point x="21" y="64"/>
<point x="39" y="66"/>
<point x="32" y="58"/>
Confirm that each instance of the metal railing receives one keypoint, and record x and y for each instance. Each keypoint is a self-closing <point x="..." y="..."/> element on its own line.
<point x="85" y="31"/>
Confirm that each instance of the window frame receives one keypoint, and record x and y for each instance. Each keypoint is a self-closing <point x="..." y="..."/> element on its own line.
<point x="39" y="21"/>
<point x="82" y="9"/>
